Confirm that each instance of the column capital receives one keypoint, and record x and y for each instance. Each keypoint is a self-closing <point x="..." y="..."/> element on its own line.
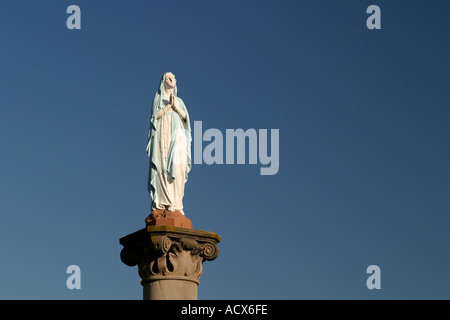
<point x="170" y="256"/>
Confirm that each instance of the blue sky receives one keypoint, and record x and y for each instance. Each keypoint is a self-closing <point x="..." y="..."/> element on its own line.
<point x="364" y="175"/>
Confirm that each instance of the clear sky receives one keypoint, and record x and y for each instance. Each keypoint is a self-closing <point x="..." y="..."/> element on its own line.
<point x="363" y="119"/>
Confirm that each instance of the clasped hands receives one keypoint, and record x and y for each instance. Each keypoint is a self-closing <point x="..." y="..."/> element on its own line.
<point x="172" y="104"/>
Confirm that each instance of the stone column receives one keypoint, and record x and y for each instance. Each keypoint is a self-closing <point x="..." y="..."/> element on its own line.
<point x="169" y="259"/>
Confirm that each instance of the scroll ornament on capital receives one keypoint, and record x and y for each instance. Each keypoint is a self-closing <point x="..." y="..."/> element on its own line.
<point x="170" y="258"/>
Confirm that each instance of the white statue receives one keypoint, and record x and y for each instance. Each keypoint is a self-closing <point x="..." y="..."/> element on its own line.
<point x="168" y="147"/>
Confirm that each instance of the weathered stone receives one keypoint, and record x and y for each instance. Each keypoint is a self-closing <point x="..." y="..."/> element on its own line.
<point x="169" y="259"/>
<point x="162" y="217"/>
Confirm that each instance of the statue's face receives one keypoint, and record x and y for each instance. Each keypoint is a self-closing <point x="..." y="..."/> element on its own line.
<point x="169" y="80"/>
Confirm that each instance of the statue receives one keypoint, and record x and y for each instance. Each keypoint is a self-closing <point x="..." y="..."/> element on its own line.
<point x="169" y="149"/>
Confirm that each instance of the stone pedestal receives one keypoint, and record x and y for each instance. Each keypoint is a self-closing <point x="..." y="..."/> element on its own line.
<point x="164" y="217"/>
<point x="169" y="259"/>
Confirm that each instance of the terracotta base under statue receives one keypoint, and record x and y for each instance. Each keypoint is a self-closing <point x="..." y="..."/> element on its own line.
<point x="164" y="217"/>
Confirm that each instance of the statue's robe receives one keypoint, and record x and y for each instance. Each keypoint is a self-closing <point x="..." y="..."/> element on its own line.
<point x="169" y="150"/>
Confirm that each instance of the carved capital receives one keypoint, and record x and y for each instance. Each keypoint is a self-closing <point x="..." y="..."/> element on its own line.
<point x="169" y="253"/>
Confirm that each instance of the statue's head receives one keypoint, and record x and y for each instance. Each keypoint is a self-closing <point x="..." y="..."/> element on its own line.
<point x="169" y="80"/>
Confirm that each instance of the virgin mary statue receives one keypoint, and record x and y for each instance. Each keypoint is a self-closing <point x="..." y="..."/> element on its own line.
<point x="168" y="147"/>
